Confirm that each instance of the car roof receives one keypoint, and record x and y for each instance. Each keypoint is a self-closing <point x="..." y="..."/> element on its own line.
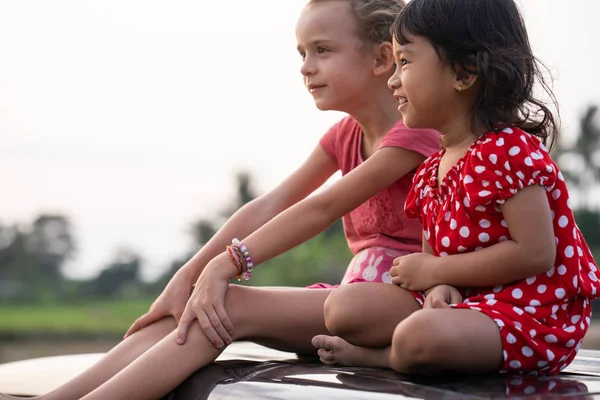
<point x="250" y="371"/>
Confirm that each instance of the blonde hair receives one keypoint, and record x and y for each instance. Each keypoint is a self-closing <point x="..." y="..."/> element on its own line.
<point x="374" y="18"/>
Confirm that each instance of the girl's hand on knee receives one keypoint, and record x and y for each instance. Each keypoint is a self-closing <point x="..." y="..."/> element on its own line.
<point x="442" y="296"/>
<point x="415" y="271"/>
<point x="207" y="305"/>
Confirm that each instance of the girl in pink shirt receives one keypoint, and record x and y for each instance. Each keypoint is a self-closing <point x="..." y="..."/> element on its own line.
<point x="347" y="58"/>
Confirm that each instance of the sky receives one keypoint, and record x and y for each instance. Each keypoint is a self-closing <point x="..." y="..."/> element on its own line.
<point x="132" y="117"/>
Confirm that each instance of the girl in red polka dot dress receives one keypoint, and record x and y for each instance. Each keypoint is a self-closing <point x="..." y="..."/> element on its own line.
<point x="505" y="275"/>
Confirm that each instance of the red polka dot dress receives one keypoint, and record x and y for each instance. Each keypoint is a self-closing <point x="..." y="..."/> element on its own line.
<point x="543" y="319"/>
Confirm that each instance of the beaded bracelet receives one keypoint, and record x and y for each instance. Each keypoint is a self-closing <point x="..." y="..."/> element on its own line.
<point x="246" y="259"/>
<point x="235" y="261"/>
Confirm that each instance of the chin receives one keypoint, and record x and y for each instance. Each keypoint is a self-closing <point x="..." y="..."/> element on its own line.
<point x="322" y="106"/>
<point x="414" y="123"/>
<point x="325" y="106"/>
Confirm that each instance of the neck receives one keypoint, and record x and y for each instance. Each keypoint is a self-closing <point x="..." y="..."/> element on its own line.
<point x="459" y="132"/>
<point x="377" y="116"/>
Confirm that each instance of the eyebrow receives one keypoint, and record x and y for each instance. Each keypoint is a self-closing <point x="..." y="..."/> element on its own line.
<point x="404" y="50"/>
<point x="316" y="42"/>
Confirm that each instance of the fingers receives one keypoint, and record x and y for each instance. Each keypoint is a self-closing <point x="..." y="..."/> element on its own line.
<point x="209" y="323"/>
<point x="439" y="302"/>
<point x="184" y="324"/>
<point x="139" y="323"/>
<point x="455" y="297"/>
<point x="397" y="260"/>
<point x="220" y="309"/>
<point x="427" y="303"/>
<point x="222" y="336"/>
<point x="435" y="300"/>
<point x="177" y="315"/>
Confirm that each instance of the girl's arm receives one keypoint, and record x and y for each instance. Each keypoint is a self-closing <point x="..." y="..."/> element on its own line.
<point x="314" y="214"/>
<point x="311" y="175"/>
<point x="288" y="229"/>
<point x="531" y="251"/>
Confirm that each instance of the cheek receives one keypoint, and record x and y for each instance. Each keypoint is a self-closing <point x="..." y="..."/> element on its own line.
<point x="424" y="88"/>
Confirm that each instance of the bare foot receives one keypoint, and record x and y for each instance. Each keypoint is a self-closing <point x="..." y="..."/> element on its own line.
<point x="334" y="350"/>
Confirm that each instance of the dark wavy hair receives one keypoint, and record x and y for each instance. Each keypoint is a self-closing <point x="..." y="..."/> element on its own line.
<point x="487" y="38"/>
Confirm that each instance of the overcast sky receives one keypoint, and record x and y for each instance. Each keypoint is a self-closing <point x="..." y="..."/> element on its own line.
<point x="132" y="116"/>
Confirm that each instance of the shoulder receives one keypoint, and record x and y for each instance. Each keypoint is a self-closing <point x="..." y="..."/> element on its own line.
<point x="423" y="141"/>
<point x="348" y="123"/>
<point x="513" y="142"/>
<point x="499" y="164"/>
<point x="339" y="132"/>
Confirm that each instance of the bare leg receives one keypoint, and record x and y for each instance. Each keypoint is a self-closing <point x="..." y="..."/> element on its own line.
<point x="428" y="341"/>
<point x="282" y="318"/>
<point x="349" y="309"/>
<point x="286" y="318"/>
<point x="115" y="360"/>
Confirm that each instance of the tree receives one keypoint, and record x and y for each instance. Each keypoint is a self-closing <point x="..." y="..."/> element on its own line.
<point x="204" y="229"/>
<point x="580" y="163"/>
<point x="31" y="258"/>
<point x="52" y="241"/>
<point x="122" y="273"/>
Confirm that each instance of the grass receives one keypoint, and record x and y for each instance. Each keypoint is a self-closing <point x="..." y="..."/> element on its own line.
<point x="108" y="317"/>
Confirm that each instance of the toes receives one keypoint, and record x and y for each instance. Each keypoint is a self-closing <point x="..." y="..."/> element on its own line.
<point x="328" y="362"/>
<point x="319" y="341"/>
<point x="325" y="342"/>
<point x="326" y="355"/>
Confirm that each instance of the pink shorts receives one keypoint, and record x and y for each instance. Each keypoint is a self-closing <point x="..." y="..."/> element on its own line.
<point x="370" y="265"/>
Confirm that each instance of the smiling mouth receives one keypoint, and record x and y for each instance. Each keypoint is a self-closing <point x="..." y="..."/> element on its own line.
<point x="401" y="99"/>
<point x="312" y="88"/>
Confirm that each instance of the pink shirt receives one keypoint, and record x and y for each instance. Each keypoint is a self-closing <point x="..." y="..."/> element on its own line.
<point x="380" y="221"/>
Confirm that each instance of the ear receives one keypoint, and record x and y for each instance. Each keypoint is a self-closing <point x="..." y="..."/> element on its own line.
<point x="384" y="59"/>
<point x="465" y="79"/>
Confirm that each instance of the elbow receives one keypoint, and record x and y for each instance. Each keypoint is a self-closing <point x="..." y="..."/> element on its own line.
<point x="325" y="208"/>
<point x="266" y="206"/>
<point x="540" y="260"/>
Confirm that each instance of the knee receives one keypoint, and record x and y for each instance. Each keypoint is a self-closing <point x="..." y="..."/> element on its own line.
<point x="236" y="303"/>
<point x="415" y="344"/>
<point x="340" y="310"/>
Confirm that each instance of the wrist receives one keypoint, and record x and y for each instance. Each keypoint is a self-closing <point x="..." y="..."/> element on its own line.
<point x="186" y="275"/>
<point x="223" y="266"/>
<point x="437" y="272"/>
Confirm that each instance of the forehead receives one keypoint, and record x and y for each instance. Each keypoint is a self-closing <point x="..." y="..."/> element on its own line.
<point x="415" y="44"/>
<point x="332" y="20"/>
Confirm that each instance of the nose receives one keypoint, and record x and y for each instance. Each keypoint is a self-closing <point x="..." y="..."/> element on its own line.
<point x="309" y="67"/>
<point x="395" y="82"/>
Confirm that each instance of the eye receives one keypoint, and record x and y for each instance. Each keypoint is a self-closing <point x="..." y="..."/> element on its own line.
<point x="321" y="50"/>
<point x="302" y="54"/>
<point x="403" y="61"/>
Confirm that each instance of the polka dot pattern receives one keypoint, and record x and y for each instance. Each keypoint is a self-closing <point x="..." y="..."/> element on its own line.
<point x="542" y="319"/>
